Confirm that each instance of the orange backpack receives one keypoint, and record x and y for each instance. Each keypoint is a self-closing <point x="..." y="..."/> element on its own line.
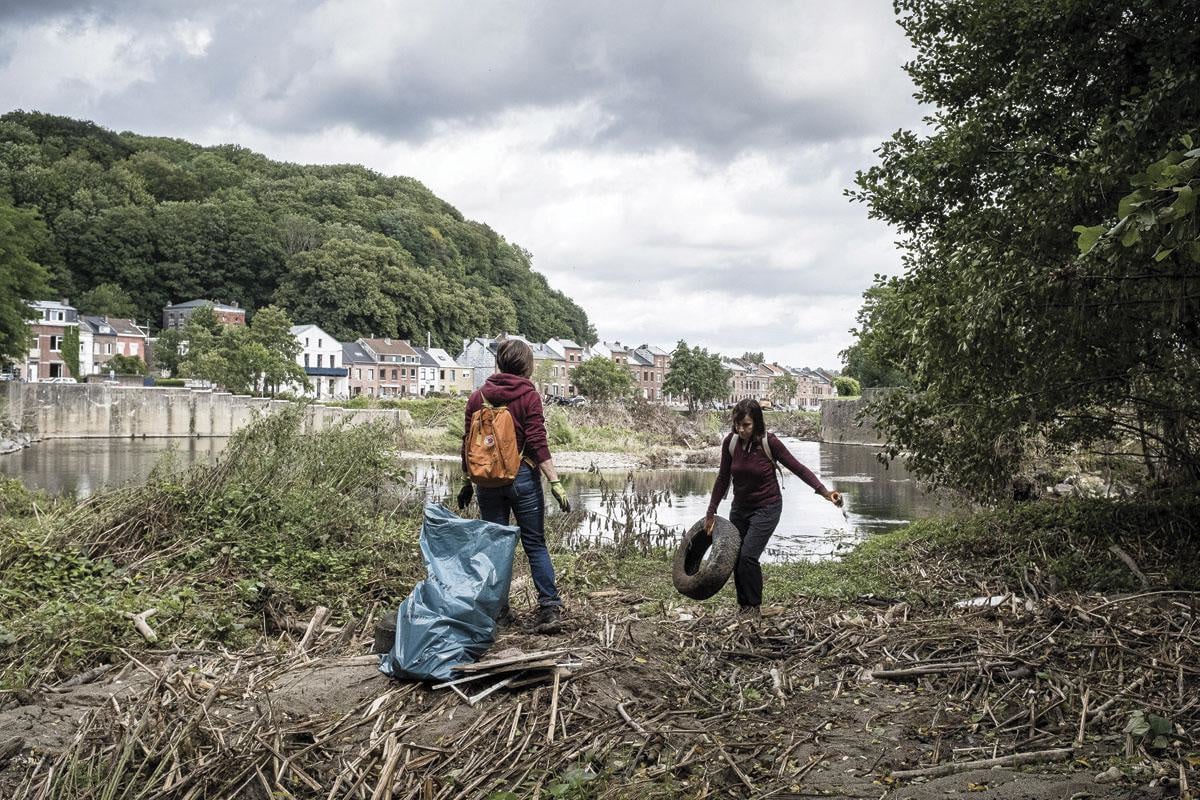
<point x="492" y="455"/>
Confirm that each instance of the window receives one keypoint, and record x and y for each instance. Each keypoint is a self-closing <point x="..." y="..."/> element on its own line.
<point x="319" y="343"/>
<point x="333" y="360"/>
<point x="358" y="373"/>
<point x="133" y="348"/>
<point x="306" y="341"/>
<point x="306" y="360"/>
<point x="320" y="358"/>
<point x="442" y="374"/>
<point x="371" y="374"/>
<point x="56" y="344"/>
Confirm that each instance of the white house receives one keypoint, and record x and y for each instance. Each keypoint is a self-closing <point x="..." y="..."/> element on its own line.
<point x="452" y="378"/>
<point x="321" y="357"/>
<point x="426" y="373"/>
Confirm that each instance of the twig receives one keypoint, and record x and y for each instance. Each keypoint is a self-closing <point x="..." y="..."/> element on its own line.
<point x="1128" y="561"/>
<point x="139" y="622"/>
<point x="1013" y="760"/>
<point x="553" y="709"/>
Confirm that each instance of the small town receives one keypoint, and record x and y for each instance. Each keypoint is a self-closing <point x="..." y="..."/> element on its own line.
<point x="385" y="368"/>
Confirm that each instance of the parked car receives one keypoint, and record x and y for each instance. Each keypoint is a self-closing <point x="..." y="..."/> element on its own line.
<point x="577" y="400"/>
<point x="60" y="380"/>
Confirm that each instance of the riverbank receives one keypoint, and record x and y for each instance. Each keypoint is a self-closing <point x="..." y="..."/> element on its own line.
<point x="863" y="669"/>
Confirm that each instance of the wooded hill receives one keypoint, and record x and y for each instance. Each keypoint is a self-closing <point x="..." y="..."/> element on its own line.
<point x="354" y="251"/>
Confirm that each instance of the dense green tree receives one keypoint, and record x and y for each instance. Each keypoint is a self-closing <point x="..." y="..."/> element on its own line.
<point x="866" y="358"/>
<point x="753" y="358"/>
<point x="271" y="328"/>
<point x="22" y="279"/>
<point x="345" y="287"/>
<point x="602" y="379"/>
<point x="783" y="390"/>
<point x="696" y="375"/>
<point x="168" y="351"/>
<point x="1013" y="343"/>
<point x="125" y="365"/>
<point x="107" y="300"/>
<point x="845" y="386"/>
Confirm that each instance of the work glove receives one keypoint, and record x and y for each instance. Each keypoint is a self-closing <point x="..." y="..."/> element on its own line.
<point x="560" y="494"/>
<point x="464" y="495"/>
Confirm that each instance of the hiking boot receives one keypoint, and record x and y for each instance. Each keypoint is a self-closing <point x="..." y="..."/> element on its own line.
<point x="549" y="620"/>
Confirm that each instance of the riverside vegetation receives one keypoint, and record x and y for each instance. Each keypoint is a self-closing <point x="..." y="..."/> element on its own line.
<point x="265" y="570"/>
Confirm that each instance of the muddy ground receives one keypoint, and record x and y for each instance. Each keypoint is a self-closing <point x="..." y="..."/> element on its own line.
<point x="654" y="700"/>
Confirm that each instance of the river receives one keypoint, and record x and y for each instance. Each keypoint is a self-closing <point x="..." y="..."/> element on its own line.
<point x="649" y="505"/>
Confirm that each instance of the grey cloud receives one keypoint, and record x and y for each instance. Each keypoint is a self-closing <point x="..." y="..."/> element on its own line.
<point x="654" y="73"/>
<point x="101" y="10"/>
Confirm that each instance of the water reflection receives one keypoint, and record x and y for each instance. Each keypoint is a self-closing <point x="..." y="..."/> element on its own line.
<point x="646" y="507"/>
<point x="82" y="467"/>
<point x="657" y="506"/>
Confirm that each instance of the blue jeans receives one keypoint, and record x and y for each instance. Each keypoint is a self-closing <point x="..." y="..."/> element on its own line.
<point x="523" y="498"/>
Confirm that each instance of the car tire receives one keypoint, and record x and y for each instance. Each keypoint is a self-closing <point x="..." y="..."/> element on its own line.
<point x="698" y="577"/>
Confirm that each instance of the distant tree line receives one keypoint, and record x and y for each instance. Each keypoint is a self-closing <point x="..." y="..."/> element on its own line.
<point x="125" y="224"/>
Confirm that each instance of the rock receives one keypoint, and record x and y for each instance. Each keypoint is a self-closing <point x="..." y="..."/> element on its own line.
<point x="1090" y="486"/>
<point x="1063" y="488"/>
<point x="1110" y="775"/>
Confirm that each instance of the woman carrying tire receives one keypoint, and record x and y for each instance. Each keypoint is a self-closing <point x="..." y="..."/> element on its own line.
<point x="757" y="502"/>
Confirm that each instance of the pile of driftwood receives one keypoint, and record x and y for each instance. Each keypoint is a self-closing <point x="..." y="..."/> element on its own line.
<point x="643" y="701"/>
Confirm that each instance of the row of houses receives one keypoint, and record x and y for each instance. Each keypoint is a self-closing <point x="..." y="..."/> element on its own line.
<point x="386" y="367"/>
<point x="100" y="340"/>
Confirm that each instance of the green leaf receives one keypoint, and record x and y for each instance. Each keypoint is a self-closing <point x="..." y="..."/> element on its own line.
<point x="1130" y="201"/>
<point x="1162" y="253"/>
<point x="1088" y="236"/>
<point x="1185" y="203"/>
<point x="1161" y="726"/>
<point x="1131" y="237"/>
<point x="1138" y="725"/>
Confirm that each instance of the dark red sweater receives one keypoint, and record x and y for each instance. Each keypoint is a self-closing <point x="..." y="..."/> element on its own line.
<point x="525" y="405"/>
<point x="754" y="481"/>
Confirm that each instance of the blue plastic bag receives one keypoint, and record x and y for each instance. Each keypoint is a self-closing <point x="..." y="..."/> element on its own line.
<point x="449" y="618"/>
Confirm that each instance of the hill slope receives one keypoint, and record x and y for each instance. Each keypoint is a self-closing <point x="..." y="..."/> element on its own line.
<point x="358" y="252"/>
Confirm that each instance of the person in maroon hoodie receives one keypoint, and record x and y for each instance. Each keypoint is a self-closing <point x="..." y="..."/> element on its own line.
<point x="522" y="498"/>
<point x="757" y="502"/>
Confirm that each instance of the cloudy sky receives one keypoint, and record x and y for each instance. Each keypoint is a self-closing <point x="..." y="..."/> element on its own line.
<point x="675" y="167"/>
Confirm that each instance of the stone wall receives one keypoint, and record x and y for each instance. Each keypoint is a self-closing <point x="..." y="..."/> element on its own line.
<point x="839" y="423"/>
<point x="82" y="411"/>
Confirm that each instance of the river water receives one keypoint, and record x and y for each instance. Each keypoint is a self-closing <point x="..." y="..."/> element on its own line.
<point x="649" y="506"/>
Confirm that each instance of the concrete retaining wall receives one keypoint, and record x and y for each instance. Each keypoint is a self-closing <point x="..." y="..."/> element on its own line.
<point x="839" y="423"/>
<point x="82" y="411"/>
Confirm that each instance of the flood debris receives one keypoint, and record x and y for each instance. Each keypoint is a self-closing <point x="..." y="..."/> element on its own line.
<point x="637" y="700"/>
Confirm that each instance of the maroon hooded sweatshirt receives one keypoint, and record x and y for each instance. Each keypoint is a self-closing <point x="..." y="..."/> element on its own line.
<point x="753" y="474"/>
<point x="524" y="404"/>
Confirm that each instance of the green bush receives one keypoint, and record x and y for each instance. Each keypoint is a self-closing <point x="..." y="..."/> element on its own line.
<point x="558" y="428"/>
<point x="284" y="518"/>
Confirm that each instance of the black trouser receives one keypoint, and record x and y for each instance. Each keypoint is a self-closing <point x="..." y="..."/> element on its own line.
<point x="756" y="526"/>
